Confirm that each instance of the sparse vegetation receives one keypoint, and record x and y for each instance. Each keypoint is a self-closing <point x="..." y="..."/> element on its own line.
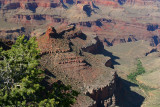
<point x="140" y="70"/>
<point x="145" y="88"/>
<point x="20" y="79"/>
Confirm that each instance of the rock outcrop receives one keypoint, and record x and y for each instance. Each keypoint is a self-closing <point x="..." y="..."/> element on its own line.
<point x="86" y="72"/>
<point x="11" y="34"/>
<point x="79" y="58"/>
<point x="54" y="3"/>
<point x="90" y="15"/>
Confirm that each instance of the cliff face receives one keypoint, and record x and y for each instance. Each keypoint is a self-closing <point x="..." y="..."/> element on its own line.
<point x="11" y="34"/>
<point x="114" y="21"/>
<point x="79" y="58"/>
<point x="28" y="4"/>
<point x="53" y="3"/>
<point x="105" y="96"/>
<point x="86" y="72"/>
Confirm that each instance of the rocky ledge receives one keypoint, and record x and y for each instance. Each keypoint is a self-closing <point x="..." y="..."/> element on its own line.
<point x="84" y="71"/>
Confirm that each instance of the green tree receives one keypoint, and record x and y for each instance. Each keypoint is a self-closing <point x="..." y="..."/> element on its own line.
<point x="20" y="78"/>
<point x="19" y="74"/>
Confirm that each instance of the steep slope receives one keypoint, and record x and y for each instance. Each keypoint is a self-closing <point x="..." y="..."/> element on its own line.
<point x="64" y="57"/>
<point x="148" y="83"/>
<point x="114" y="21"/>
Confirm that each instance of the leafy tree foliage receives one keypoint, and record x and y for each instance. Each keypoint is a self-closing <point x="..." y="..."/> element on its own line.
<point x="20" y="79"/>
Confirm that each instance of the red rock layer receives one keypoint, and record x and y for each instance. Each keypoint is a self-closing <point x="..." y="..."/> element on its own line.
<point x="48" y="3"/>
<point x="105" y="29"/>
<point x="71" y="67"/>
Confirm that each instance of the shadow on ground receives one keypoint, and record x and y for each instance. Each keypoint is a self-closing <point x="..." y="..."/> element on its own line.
<point x="126" y="97"/>
<point x="48" y="76"/>
<point x="109" y="54"/>
<point x="98" y="48"/>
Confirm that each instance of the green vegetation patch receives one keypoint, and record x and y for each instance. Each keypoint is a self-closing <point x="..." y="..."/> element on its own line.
<point x="140" y="70"/>
<point x="20" y="79"/>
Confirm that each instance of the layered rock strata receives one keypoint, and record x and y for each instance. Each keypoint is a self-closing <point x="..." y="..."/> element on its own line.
<point x="86" y="72"/>
<point x="104" y="17"/>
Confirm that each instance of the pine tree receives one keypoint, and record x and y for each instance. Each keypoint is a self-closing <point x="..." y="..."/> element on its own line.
<point x="20" y="79"/>
<point x="18" y="72"/>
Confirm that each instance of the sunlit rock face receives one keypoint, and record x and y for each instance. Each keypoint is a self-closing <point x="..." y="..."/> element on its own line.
<point x="64" y="55"/>
<point x="78" y="53"/>
<point x="113" y="21"/>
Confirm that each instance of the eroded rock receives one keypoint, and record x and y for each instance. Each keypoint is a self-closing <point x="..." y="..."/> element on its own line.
<point x="85" y="71"/>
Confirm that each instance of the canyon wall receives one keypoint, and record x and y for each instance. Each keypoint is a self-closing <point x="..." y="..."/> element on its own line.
<point x="83" y="70"/>
<point x="113" y="21"/>
<point x="53" y="3"/>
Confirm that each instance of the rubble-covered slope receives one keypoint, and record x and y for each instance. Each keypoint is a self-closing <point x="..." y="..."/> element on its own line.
<point x="84" y="71"/>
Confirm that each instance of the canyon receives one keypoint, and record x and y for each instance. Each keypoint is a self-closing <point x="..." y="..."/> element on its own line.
<point x="66" y="60"/>
<point x="92" y="45"/>
<point x="84" y="63"/>
<point x="114" y="21"/>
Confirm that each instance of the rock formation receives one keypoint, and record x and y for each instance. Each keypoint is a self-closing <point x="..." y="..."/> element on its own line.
<point x="90" y="15"/>
<point x="74" y="49"/>
<point x="85" y="72"/>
